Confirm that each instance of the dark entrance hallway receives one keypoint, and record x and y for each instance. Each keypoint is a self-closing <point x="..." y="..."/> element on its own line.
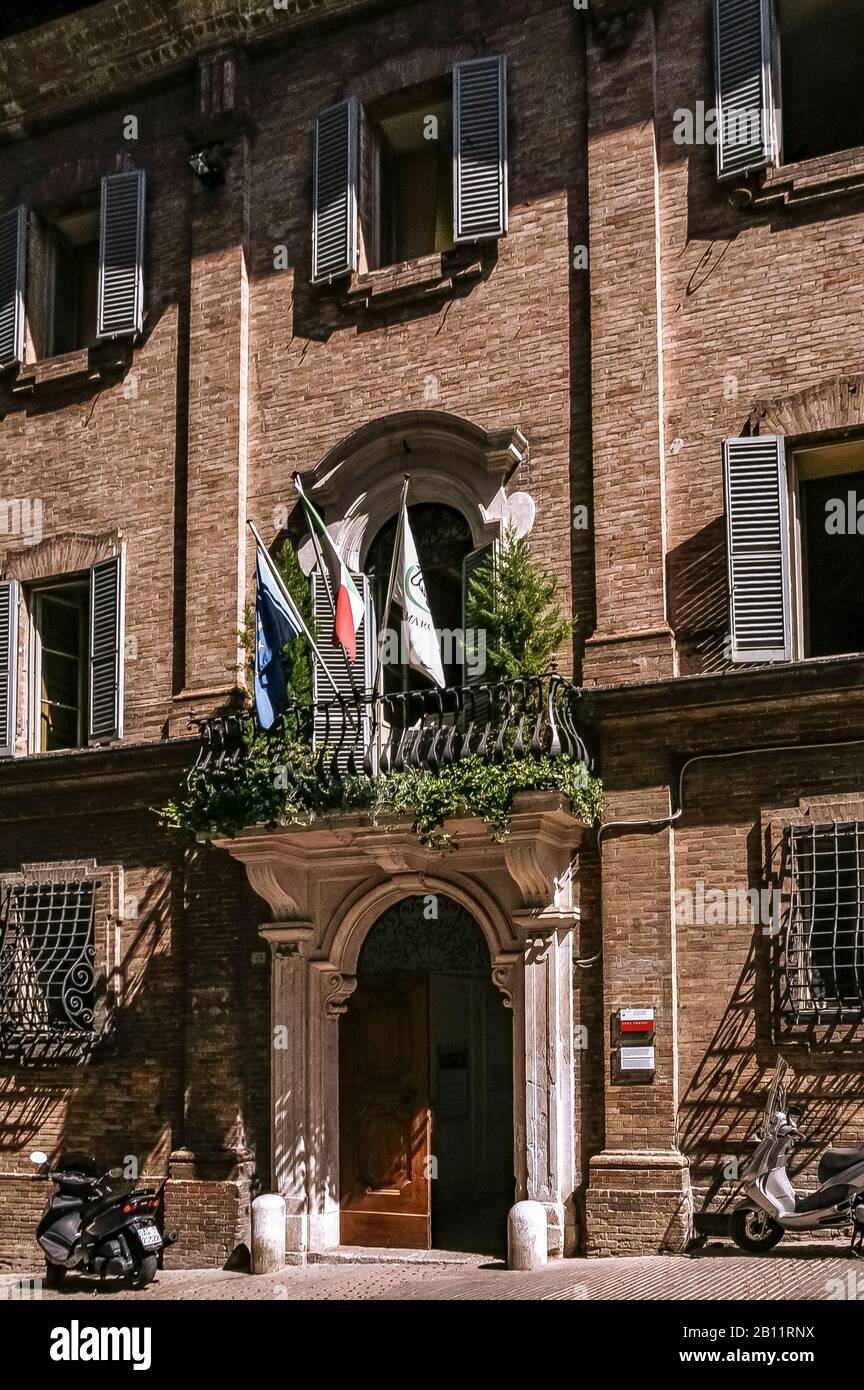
<point x="426" y="1087"/>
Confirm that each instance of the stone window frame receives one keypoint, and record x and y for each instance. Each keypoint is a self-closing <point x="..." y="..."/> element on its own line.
<point x="109" y="887"/>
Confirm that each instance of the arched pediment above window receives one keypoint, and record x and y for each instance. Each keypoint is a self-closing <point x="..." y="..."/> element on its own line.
<point x="360" y="481"/>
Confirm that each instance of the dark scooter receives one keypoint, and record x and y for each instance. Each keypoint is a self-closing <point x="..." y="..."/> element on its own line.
<point x="88" y="1228"/>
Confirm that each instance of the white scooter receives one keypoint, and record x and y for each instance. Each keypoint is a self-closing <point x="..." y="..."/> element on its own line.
<point x="770" y="1206"/>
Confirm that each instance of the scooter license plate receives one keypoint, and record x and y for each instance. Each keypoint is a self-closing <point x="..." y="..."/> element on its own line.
<point x="149" y="1237"/>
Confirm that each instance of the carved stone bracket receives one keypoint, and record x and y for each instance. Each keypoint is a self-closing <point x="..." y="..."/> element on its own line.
<point x="502" y="977"/>
<point x="337" y="991"/>
<point x="540" y="863"/>
<point x="614" y="22"/>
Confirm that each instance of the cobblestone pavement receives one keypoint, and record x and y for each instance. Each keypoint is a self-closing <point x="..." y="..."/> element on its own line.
<point x="713" y="1274"/>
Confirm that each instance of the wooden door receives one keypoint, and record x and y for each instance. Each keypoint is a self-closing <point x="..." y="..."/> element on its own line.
<point x="386" y="1197"/>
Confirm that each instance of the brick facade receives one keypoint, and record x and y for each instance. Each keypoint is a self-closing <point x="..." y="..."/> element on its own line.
<point x="698" y="318"/>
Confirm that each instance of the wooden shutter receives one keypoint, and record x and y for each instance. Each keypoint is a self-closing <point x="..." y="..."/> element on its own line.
<point x="470" y="565"/>
<point x="13" y="259"/>
<point x="334" y="200"/>
<point x="744" y="64"/>
<point x="8" y="665"/>
<point x="121" y="256"/>
<point x="757" y="537"/>
<point x="479" y="149"/>
<point x="329" y="727"/>
<point x="106" y="651"/>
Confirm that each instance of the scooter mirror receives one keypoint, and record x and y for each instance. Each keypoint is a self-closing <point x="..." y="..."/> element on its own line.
<point x="38" y="1158"/>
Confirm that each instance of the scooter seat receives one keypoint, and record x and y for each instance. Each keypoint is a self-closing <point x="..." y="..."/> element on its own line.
<point x="836" y="1160"/>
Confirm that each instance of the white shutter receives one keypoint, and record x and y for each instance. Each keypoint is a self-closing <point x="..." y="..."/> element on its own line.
<point x="121" y="256"/>
<point x="13" y="260"/>
<point x="8" y="665"/>
<point x="757" y="538"/>
<point x="106" y="651"/>
<point x="334" y="199"/>
<point x="329" y="726"/>
<point x="470" y="565"/>
<point x="479" y="149"/>
<point x="743" y="65"/>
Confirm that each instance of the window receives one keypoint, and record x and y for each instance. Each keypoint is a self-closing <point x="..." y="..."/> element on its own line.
<point x="74" y="242"/>
<point x="788" y="81"/>
<point x="830" y="484"/>
<point x="47" y="951"/>
<point x="73" y="276"/>
<point x="821" y="47"/>
<point x="412" y="170"/>
<point x="795" y="546"/>
<point x="413" y="174"/>
<point x="824" y="965"/>
<point x="59" y="666"/>
<point x="443" y="539"/>
<point x="73" y="663"/>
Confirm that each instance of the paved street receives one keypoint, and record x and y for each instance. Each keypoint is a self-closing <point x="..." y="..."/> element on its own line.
<point x="716" y="1273"/>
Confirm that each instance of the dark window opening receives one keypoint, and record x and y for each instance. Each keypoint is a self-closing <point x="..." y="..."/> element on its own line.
<point x="76" y="282"/>
<point x="821" y="47"/>
<point x="825" y="942"/>
<point x="59" y="678"/>
<point x="413" y="145"/>
<point x="832" y="550"/>
<point x="443" y="539"/>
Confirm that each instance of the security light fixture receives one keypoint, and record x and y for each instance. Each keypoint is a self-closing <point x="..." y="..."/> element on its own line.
<point x="209" y="165"/>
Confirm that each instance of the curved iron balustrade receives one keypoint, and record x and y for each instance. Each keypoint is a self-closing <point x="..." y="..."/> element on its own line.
<point x="417" y="729"/>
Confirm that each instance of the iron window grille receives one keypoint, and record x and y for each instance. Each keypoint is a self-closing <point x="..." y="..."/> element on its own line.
<point x="824" y="957"/>
<point x="47" y="979"/>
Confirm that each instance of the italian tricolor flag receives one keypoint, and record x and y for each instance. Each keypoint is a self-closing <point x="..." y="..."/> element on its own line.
<point x="349" y="602"/>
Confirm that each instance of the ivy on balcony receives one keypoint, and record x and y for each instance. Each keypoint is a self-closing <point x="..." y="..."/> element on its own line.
<point x="433" y="756"/>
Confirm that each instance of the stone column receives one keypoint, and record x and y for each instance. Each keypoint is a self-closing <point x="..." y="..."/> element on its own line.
<point x="543" y="1085"/>
<point x="289" y="994"/>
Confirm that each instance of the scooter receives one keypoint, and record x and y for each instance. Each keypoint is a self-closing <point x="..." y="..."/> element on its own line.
<point x="87" y="1227"/>
<point x="770" y="1205"/>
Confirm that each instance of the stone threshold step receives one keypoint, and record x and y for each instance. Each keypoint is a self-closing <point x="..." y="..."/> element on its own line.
<point x="368" y="1255"/>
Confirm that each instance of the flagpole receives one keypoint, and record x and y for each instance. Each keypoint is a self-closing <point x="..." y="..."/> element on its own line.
<point x="391" y="585"/>
<point x="291" y="605"/>
<point x="316" y="545"/>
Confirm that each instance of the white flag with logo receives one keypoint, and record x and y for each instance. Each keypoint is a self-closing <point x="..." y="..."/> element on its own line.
<point x="418" y="630"/>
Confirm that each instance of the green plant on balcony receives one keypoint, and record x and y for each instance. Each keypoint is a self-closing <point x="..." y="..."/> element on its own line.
<point x="281" y="779"/>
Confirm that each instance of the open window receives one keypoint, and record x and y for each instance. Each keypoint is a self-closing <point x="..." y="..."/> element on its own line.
<point x="409" y="189"/>
<point x="821" y="45"/>
<point x="412" y="174"/>
<point x="58" y="676"/>
<point x="795" y="544"/>
<point x="73" y="240"/>
<point x="788" y="84"/>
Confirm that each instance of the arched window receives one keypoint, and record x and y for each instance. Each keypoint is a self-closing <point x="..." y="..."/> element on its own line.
<point x="443" y="539"/>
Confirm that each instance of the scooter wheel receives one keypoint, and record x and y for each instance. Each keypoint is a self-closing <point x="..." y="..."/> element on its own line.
<point x="146" y="1272"/>
<point x="754" y="1230"/>
<point x="54" y="1275"/>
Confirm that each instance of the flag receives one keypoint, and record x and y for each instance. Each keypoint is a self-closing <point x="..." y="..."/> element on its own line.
<point x="418" y="631"/>
<point x="348" y="599"/>
<point x="275" y="626"/>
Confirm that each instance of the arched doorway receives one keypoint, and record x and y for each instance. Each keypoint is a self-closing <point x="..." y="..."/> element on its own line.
<point x="426" y="1087"/>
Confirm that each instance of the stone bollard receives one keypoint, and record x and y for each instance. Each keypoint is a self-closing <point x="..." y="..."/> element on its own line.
<point x="527" y="1240"/>
<point x="268" y="1234"/>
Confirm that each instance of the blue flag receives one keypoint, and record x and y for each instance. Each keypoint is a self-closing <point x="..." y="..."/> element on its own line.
<point x="275" y="625"/>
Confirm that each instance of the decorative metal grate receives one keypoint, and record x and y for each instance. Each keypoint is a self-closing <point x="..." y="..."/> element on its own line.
<point x="824" y="965"/>
<point x="47" y="969"/>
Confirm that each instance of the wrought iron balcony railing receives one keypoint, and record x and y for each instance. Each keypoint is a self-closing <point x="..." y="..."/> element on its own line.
<point x="423" y="730"/>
